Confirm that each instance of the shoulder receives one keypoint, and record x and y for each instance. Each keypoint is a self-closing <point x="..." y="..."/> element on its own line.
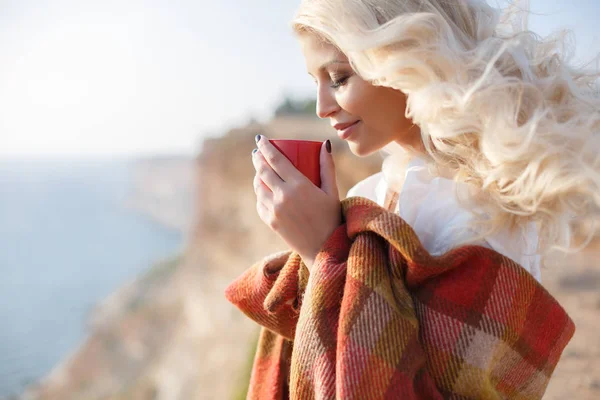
<point x="431" y="206"/>
<point x="367" y="187"/>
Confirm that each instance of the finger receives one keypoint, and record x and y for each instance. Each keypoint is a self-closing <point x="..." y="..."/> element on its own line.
<point x="257" y="182"/>
<point x="328" y="176"/>
<point x="263" y="193"/>
<point x="261" y="210"/>
<point x="263" y="213"/>
<point x="278" y="162"/>
<point x="264" y="171"/>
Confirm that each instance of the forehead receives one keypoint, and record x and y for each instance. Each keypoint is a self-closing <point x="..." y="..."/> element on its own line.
<point x="318" y="52"/>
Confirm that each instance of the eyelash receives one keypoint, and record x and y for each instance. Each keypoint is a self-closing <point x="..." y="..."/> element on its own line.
<point x="340" y="82"/>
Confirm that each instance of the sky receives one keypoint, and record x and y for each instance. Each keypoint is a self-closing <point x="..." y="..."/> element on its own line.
<point x="83" y="78"/>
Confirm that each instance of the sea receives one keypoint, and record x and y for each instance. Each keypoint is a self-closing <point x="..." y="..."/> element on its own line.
<point x="66" y="243"/>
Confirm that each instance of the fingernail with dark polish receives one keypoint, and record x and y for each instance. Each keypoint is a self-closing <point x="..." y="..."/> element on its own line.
<point x="328" y="146"/>
<point x="257" y="138"/>
<point x="254" y="151"/>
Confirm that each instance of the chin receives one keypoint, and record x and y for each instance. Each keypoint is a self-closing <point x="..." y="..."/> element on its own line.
<point x="360" y="151"/>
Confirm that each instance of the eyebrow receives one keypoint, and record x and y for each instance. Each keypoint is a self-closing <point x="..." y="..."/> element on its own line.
<point x="327" y="64"/>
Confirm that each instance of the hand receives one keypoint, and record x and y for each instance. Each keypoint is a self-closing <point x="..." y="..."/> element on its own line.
<point x="303" y="215"/>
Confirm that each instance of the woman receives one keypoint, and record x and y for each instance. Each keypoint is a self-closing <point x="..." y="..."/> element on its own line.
<point x="474" y="96"/>
<point x="492" y="140"/>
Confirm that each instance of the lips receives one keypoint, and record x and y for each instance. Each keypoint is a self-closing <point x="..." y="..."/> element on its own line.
<point x="344" y="130"/>
<point x="341" y="126"/>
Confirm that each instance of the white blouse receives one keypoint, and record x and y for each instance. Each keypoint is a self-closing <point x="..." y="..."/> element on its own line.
<point x="429" y="205"/>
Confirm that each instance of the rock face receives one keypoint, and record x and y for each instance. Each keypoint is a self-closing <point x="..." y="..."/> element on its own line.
<point x="172" y="335"/>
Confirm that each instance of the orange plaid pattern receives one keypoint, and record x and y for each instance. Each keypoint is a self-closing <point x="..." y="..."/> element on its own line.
<point x="380" y="318"/>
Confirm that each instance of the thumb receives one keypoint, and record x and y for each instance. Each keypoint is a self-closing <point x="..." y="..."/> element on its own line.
<point x="328" y="179"/>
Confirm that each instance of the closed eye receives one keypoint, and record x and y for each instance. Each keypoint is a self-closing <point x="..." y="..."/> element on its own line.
<point x="336" y="83"/>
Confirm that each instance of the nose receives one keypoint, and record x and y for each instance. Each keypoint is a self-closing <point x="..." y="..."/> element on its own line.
<point x="326" y="103"/>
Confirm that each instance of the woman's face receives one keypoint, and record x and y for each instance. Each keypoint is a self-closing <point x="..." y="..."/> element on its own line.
<point x="368" y="117"/>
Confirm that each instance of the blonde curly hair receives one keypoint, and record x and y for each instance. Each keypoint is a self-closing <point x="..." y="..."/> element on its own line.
<point x="498" y="106"/>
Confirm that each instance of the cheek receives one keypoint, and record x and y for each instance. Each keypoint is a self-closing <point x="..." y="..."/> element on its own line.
<point x="354" y="101"/>
<point x="388" y="107"/>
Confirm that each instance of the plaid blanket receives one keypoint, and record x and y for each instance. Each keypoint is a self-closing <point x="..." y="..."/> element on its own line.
<point x="378" y="317"/>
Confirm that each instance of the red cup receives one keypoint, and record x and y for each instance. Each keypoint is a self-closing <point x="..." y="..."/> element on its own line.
<point x="304" y="154"/>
